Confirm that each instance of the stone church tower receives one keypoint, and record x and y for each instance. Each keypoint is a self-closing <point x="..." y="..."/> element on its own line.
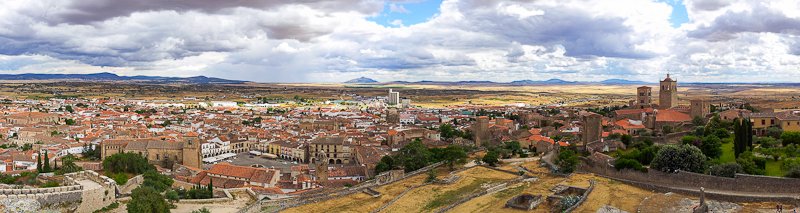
<point x="191" y="152"/>
<point x="668" y="93"/>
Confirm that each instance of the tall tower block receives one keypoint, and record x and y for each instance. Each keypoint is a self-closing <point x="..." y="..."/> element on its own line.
<point x="668" y="93"/>
<point x="643" y="96"/>
<point x="191" y="151"/>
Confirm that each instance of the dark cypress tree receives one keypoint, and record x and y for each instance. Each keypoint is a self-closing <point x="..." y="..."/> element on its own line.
<point x="748" y="132"/>
<point x="46" y="167"/>
<point x="211" y="185"/>
<point x="738" y="137"/>
<point x="39" y="162"/>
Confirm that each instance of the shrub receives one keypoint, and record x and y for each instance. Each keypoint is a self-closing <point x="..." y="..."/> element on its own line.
<point x="50" y="184"/>
<point x="120" y="178"/>
<point x="794" y="173"/>
<point x="624" y="163"/>
<point x="767" y="142"/>
<point x="790" y="138"/>
<point x="725" y="170"/>
<point x="790" y="164"/>
<point x="748" y="163"/>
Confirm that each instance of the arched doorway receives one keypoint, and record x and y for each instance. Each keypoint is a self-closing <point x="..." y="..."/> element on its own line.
<point x="339" y="161"/>
<point x="330" y="161"/>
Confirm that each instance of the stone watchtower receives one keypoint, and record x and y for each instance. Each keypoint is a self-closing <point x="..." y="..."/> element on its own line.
<point x="668" y="93"/>
<point x="481" y="130"/>
<point x="592" y="128"/>
<point x="321" y="163"/>
<point x="643" y="96"/>
<point x="700" y="108"/>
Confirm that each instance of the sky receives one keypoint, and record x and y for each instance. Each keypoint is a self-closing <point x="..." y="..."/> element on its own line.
<point x="410" y="40"/>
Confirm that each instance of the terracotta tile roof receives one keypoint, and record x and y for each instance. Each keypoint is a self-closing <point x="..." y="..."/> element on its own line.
<point x="261" y="175"/>
<point x="633" y="111"/>
<point x="626" y="124"/>
<point x="668" y="115"/>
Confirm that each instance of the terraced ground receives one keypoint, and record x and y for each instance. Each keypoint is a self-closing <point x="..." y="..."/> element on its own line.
<point x="433" y="197"/>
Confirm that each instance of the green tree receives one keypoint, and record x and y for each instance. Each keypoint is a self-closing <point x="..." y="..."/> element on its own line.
<point x="767" y="142"/>
<point x="712" y="146"/>
<point x="387" y="163"/>
<point x="749" y="163"/>
<point x="491" y="157"/>
<point x="39" y="162"/>
<point x="147" y="200"/>
<point x="789" y="137"/>
<point x="415" y="155"/>
<point x="453" y="154"/>
<point x="774" y="132"/>
<point x="698" y="121"/>
<point x="672" y="158"/>
<point x="127" y="162"/>
<point x="514" y="147"/>
<point x="172" y="195"/>
<point x="743" y="136"/>
<point x="567" y="161"/>
<point x="69" y="121"/>
<point x="46" y="168"/>
<point x="157" y="181"/>
<point x="26" y="147"/>
<point x="68" y="165"/>
<point x="626" y="139"/>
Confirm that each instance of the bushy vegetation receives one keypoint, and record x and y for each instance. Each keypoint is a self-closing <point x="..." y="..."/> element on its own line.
<point x="743" y="136"/>
<point x="625" y="163"/>
<point x="147" y="199"/>
<point x="790" y="138"/>
<point x="127" y="162"/>
<point x="726" y="169"/>
<point x="671" y="158"/>
<point x="567" y="160"/>
<point x="415" y="155"/>
<point x="751" y="164"/>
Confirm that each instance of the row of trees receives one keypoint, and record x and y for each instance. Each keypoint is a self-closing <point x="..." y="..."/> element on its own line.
<point x="742" y="136"/>
<point x="416" y="155"/>
<point x="147" y="197"/>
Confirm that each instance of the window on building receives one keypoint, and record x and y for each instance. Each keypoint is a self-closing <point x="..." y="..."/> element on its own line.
<point x="763" y="122"/>
<point x="771" y="121"/>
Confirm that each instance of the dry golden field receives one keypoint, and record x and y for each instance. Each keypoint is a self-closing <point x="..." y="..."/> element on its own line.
<point x="432" y="197"/>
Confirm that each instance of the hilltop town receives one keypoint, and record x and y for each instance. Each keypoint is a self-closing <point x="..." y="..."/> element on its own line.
<point x="86" y="147"/>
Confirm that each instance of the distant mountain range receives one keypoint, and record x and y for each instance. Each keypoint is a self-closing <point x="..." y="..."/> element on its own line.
<point x="362" y="80"/>
<point x="114" y="77"/>
<point x="554" y="81"/>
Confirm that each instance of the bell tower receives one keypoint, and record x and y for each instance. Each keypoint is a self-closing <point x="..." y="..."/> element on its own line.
<point x="668" y="93"/>
<point x="191" y="151"/>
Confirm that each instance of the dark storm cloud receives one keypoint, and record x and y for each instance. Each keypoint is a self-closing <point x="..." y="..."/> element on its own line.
<point x="87" y="11"/>
<point x="759" y="20"/>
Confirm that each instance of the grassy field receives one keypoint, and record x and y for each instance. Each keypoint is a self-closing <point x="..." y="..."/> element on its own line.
<point x="774" y="168"/>
<point x="727" y="153"/>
